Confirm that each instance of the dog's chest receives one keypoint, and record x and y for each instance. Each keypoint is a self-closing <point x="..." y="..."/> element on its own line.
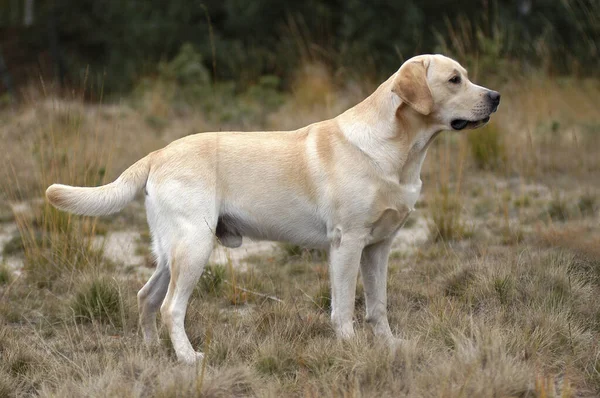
<point x="395" y="214"/>
<point x="409" y="194"/>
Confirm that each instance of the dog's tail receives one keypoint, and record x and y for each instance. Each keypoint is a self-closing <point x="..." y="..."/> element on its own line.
<point x="106" y="199"/>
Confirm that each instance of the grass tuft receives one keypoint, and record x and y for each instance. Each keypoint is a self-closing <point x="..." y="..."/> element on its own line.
<point x="487" y="149"/>
<point x="212" y="280"/>
<point x="587" y="205"/>
<point x="322" y="297"/>
<point x="276" y="360"/>
<point x="505" y="288"/>
<point x="446" y="223"/>
<point x="98" y="301"/>
<point x="21" y="363"/>
<point x="458" y="283"/>
<point x="8" y="386"/>
<point x="558" y="208"/>
<point x="5" y="274"/>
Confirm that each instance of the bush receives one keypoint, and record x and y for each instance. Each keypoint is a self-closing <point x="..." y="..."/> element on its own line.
<point x="558" y="208"/>
<point x="98" y="300"/>
<point x="186" y="68"/>
<point x="587" y="205"/>
<point x="458" y="283"/>
<point x="183" y="83"/>
<point x="5" y="275"/>
<point x="486" y="147"/>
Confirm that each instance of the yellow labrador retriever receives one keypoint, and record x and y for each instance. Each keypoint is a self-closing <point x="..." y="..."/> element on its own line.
<point x="346" y="184"/>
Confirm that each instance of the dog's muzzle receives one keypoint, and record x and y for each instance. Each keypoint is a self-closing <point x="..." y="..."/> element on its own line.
<point x="493" y="99"/>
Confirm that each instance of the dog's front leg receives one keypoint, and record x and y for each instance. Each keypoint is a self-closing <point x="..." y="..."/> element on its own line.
<point x="373" y="270"/>
<point x="344" y="261"/>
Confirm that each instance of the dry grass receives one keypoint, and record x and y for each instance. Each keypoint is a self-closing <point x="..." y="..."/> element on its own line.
<point x="502" y="303"/>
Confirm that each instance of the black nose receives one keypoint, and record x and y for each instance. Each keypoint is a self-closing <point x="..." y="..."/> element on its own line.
<point x="494" y="97"/>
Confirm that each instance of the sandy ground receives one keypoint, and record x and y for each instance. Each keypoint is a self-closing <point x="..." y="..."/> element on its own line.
<point x="7" y="231"/>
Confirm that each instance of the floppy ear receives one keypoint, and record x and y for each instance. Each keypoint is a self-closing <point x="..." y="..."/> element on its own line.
<point x="411" y="86"/>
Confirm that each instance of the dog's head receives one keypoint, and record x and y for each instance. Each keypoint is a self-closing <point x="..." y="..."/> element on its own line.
<point x="438" y="87"/>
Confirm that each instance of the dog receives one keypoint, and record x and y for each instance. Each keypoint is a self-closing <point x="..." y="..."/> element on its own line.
<point x="346" y="184"/>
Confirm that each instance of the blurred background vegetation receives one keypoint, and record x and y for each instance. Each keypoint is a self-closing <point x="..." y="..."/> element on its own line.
<point x="114" y="45"/>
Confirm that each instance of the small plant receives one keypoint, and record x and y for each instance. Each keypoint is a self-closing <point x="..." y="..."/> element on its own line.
<point x="277" y="360"/>
<point x="212" y="279"/>
<point x="322" y="297"/>
<point x="410" y="222"/>
<point x="558" y="208"/>
<point x="21" y="363"/>
<point x="5" y="275"/>
<point x="98" y="300"/>
<point x="522" y="201"/>
<point x="446" y="223"/>
<point x="55" y="244"/>
<point x="457" y="284"/>
<point x="486" y="147"/>
<point x="6" y="213"/>
<point x="13" y="246"/>
<point x="290" y="250"/>
<point x="587" y="205"/>
<point x="186" y="68"/>
<point x="504" y="288"/>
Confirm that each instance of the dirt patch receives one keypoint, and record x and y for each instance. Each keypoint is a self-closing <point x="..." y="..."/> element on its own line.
<point x="7" y="232"/>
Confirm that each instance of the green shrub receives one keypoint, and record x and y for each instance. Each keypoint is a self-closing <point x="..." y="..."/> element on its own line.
<point x="186" y="68"/>
<point x="6" y="213"/>
<point x="184" y="82"/>
<point x="99" y="301"/>
<point x="5" y="275"/>
<point x="587" y="205"/>
<point x="486" y="147"/>
<point x="13" y="246"/>
<point x="558" y="208"/>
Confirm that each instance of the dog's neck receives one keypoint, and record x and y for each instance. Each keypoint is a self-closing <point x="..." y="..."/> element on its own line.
<point x="390" y="134"/>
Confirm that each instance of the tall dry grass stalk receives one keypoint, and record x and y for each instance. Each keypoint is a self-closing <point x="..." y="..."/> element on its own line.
<point x="64" y="147"/>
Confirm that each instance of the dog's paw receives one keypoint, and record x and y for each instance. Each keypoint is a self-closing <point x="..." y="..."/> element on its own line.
<point x="395" y="343"/>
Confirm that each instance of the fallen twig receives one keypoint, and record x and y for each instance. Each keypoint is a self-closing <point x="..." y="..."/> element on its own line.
<point x="253" y="292"/>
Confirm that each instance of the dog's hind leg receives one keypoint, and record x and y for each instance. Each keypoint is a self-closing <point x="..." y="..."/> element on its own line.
<point x="151" y="296"/>
<point x="187" y="259"/>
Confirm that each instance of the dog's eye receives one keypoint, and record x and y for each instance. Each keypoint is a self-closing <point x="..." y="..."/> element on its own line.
<point x="454" y="80"/>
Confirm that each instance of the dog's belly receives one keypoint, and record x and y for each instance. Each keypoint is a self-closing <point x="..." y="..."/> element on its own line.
<point x="305" y="230"/>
